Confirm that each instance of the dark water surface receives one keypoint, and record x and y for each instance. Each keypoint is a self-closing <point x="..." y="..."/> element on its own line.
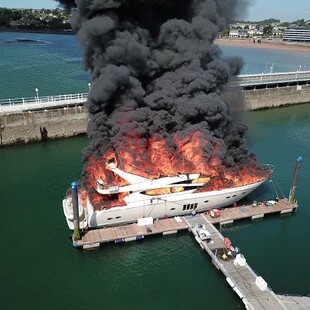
<point x="41" y="270"/>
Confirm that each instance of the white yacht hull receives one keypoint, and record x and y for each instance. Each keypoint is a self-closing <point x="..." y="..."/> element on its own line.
<point x="141" y="206"/>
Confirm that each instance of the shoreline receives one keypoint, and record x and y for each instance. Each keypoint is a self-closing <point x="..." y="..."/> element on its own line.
<point x="292" y="46"/>
<point x="17" y="30"/>
<point x="248" y="43"/>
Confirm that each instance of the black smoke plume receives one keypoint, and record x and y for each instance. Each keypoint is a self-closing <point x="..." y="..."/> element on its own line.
<point x="156" y="72"/>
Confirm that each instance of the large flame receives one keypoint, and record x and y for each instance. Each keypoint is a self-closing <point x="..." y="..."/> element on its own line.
<point x="153" y="158"/>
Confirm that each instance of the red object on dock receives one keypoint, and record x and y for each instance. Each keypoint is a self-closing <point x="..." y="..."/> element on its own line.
<point x="215" y="213"/>
<point x="227" y="243"/>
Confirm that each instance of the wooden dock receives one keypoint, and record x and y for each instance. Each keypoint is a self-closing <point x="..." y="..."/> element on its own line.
<point x="250" y="287"/>
<point x="229" y="215"/>
<point x="132" y="232"/>
<point x="295" y="302"/>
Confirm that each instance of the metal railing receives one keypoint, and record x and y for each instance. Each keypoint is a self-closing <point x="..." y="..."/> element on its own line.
<point x="43" y="102"/>
<point x="47" y="102"/>
<point x="280" y="77"/>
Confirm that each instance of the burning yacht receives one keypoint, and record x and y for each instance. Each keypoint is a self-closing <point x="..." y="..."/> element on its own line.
<point x="136" y="196"/>
<point x="165" y="134"/>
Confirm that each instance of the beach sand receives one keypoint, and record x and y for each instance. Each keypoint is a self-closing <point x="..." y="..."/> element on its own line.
<point x="303" y="47"/>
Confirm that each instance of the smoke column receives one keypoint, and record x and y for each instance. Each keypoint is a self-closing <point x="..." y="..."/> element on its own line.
<point x="156" y="75"/>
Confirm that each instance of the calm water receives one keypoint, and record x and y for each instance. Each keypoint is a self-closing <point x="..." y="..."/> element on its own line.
<point x="53" y="65"/>
<point x="41" y="270"/>
<point x="261" y="60"/>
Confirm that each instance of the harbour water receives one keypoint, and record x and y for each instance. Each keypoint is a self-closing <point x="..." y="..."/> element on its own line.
<point x="52" y="64"/>
<point x="40" y="269"/>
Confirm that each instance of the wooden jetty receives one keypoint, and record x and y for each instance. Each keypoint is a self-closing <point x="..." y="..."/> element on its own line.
<point x="295" y="302"/>
<point x="131" y="232"/>
<point x="229" y="215"/>
<point x="250" y="287"/>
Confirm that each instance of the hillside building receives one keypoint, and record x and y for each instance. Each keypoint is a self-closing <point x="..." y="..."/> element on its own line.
<point x="297" y="35"/>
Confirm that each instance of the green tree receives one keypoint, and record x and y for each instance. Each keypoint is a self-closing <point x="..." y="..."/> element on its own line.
<point x="300" y="22"/>
<point x="5" y="17"/>
<point x="224" y="33"/>
<point x="285" y="24"/>
<point x="267" y="32"/>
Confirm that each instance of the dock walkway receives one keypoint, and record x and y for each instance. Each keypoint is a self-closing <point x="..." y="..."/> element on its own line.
<point x="28" y="104"/>
<point x="229" y="215"/>
<point x="295" y="302"/>
<point x="130" y="232"/>
<point x="240" y="278"/>
<point x="239" y="275"/>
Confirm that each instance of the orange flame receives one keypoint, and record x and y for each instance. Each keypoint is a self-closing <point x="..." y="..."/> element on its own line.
<point x="153" y="157"/>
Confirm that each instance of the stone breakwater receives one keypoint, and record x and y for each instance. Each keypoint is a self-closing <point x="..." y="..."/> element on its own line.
<point x="41" y="125"/>
<point x="266" y="97"/>
<point x="275" y="97"/>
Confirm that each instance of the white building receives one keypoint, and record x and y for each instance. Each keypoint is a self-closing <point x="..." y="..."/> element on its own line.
<point x="238" y="33"/>
<point x="255" y="32"/>
<point x="297" y="35"/>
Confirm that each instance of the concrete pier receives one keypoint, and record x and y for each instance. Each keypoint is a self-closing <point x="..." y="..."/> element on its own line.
<point x="265" y="98"/>
<point x="48" y="124"/>
<point x="25" y="120"/>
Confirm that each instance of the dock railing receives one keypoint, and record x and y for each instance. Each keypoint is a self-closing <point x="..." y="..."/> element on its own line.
<point x="46" y="102"/>
<point x="251" y="79"/>
<point x="42" y="102"/>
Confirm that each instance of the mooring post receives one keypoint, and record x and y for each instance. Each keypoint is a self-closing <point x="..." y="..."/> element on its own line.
<point x="294" y="180"/>
<point x="75" y="204"/>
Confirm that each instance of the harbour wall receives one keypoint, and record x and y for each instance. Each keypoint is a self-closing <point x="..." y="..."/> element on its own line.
<point x="41" y="125"/>
<point x="266" y="97"/>
<point x="275" y="97"/>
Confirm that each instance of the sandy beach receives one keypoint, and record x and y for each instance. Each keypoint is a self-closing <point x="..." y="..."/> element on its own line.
<point x="303" y="47"/>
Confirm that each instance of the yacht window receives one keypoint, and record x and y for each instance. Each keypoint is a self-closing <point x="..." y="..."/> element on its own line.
<point x="118" y="217"/>
<point x="172" y="209"/>
<point x="243" y="193"/>
<point x="189" y="206"/>
<point x="110" y="218"/>
<point x="206" y="201"/>
<point x="227" y="197"/>
<point x="234" y="195"/>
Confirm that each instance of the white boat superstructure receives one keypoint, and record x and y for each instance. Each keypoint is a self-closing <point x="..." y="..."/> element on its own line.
<point x="68" y="211"/>
<point x="157" y="198"/>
